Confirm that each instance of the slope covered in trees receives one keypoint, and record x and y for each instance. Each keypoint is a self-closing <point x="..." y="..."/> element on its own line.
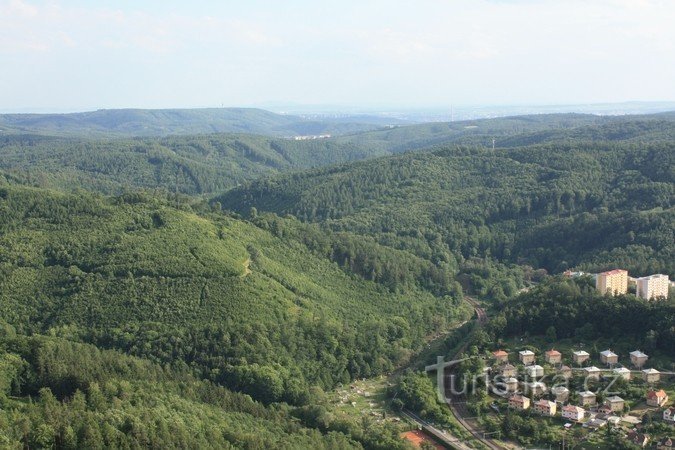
<point x="589" y="205"/>
<point x="258" y="311"/>
<point x="189" y="165"/>
<point x="212" y="163"/>
<point x="55" y="393"/>
<point x="574" y="309"/>
<point x="518" y="131"/>
<point x="163" y="122"/>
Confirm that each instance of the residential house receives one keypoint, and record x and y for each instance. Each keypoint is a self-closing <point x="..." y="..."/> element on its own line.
<point x="656" y="398"/>
<point x="535" y="371"/>
<point x="614" y="421"/>
<point x="638" y="438"/>
<point x="622" y="372"/>
<point x="570" y="274"/>
<point x="511" y="384"/>
<point x="651" y="375"/>
<point x="508" y="370"/>
<point x="587" y="398"/>
<point x="665" y="443"/>
<point x="545" y="407"/>
<point x="580" y="356"/>
<point x="565" y="372"/>
<point x="604" y="411"/>
<point x="561" y="393"/>
<point x="595" y="423"/>
<point x="500" y="356"/>
<point x="553" y="357"/>
<point x="526" y="357"/>
<point x="609" y="357"/>
<point x="573" y="413"/>
<point x="536" y="388"/>
<point x="519" y="402"/>
<point x="638" y="359"/>
<point x="615" y="403"/>
<point x="592" y="372"/>
<point x="669" y="414"/>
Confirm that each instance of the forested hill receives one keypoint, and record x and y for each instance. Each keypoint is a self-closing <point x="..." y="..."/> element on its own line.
<point x="162" y="122"/>
<point x="252" y="309"/>
<point x="518" y="131"/>
<point x="56" y="393"/>
<point x="590" y="205"/>
<point x="189" y="165"/>
<point x="212" y="163"/>
<point x="268" y="307"/>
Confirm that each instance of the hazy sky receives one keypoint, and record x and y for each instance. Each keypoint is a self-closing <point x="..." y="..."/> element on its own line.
<point x="70" y="55"/>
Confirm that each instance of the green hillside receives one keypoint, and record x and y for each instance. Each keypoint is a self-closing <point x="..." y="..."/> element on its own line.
<point x="271" y="308"/>
<point x="556" y="206"/>
<point x="236" y="302"/>
<point x="189" y="165"/>
<point x="55" y="393"/>
<point x="135" y="313"/>
<point x="517" y="131"/>
<point x="212" y="163"/>
<point x="163" y="122"/>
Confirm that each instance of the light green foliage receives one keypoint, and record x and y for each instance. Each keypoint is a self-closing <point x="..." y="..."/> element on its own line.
<point x="163" y="283"/>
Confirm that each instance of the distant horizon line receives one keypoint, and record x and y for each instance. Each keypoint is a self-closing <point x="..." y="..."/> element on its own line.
<point x="317" y="108"/>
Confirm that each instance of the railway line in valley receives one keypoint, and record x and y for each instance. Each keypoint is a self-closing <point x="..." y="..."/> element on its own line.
<point x="457" y="401"/>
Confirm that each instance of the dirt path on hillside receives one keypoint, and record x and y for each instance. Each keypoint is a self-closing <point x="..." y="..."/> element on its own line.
<point x="247" y="268"/>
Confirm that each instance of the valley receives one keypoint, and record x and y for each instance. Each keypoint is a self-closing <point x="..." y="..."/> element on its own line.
<point x="301" y="286"/>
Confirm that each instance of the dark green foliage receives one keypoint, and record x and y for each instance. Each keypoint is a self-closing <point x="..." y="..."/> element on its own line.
<point x="554" y="206"/>
<point x="576" y="310"/>
<point x="211" y="163"/>
<point x="396" y="269"/>
<point x="237" y="304"/>
<point x="82" y="397"/>
<point x="418" y="394"/>
<point x="189" y="165"/>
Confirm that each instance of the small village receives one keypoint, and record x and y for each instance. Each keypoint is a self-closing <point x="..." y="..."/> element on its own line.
<point x="604" y="390"/>
<point x="549" y="390"/>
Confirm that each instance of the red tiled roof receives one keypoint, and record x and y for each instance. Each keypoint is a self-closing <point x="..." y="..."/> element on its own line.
<point x="655" y="394"/>
<point x="500" y="353"/>
<point x="571" y="408"/>
<point x="553" y="352"/>
<point x="614" y="272"/>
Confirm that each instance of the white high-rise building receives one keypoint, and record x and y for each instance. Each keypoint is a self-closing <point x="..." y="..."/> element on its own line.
<point x="653" y="286"/>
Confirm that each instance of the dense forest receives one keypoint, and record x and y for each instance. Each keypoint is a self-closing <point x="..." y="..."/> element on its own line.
<point x="207" y="164"/>
<point x="165" y="122"/>
<point x="207" y="290"/>
<point x="588" y="205"/>
<point x="58" y="394"/>
<point x="241" y="306"/>
<point x="191" y="165"/>
<point x="574" y="309"/>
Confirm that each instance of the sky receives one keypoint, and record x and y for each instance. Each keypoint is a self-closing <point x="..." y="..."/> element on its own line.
<point x="82" y="55"/>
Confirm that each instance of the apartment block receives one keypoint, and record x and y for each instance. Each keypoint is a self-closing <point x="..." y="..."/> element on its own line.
<point x="614" y="282"/>
<point x="653" y="286"/>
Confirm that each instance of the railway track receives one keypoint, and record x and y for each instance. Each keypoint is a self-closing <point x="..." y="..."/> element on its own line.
<point x="457" y="402"/>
